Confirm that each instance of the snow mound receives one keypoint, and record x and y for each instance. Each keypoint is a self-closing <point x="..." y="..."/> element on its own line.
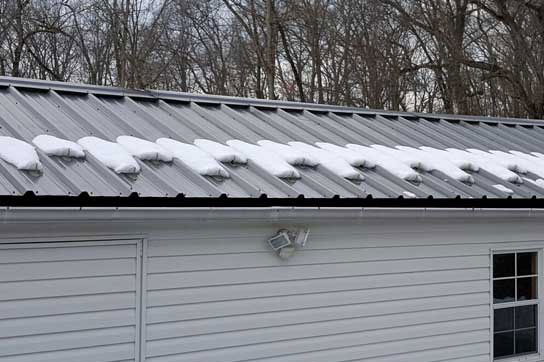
<point x="488" y="162"/>
<point x="430" y="161"/>
<point x="538" y="182"/>
<point x="197" y="159"/>
<point x="409" y="195"/>
<point x="329" y="160"/>
<point x="110" y="154"/>
<point x="503" y="189"/>
<point x="290" y="154"/>
<point x="221" y="152"/>
<point x="527" y="162"/>
<point x="460" y="159"/>
<point x="20" y="154"/>
<point x="354" y="158"/>
<point x="270" y="161"/>
<point x="386" y="158"/>
<point x="144" y="150"/>
<point x="54" y="146"/>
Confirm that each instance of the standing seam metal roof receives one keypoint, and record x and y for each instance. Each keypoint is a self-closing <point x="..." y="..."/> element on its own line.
<point x="29" y="108"/>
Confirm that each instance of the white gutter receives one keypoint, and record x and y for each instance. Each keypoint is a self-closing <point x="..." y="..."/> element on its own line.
<point x="293" y="214"/>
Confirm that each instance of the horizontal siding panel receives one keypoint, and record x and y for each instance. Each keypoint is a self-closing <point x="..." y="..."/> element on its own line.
<point x="68" y="322"/>
<point x="79" y="304"/>
<point x="216" y="309"/>
<point x="66" y="287"/>
<point x="352" y="325"/>
<point x="480" y="358"/>
<point x="465" y="343"/>
<point x="63" y="269"/>
<point x="353" y="235"/>
<point x="307" y="256"/>
<point x="260" y="290"/>
<point x="463" y="353"/>
<point x="9" y="256"/>
<point x="171" y="328"/>
<point x="112" y="353"/>
<point x="69" y="340"/>
<point x="293" y="346"/>
<point x="268" y="274"/>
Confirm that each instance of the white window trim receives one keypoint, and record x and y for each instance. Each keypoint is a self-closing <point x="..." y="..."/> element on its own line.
<point x="535" y="357"/>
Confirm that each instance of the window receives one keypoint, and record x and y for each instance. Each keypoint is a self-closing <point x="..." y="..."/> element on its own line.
<point x="515" y="304"/>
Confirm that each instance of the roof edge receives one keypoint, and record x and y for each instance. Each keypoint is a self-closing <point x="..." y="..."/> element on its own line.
<point x="271" y="214"/>
<point x="239" y="101"/>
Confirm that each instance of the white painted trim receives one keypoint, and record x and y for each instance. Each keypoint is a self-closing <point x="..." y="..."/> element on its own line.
<point x="536" y="357"/>
<point x="67" y="215"/>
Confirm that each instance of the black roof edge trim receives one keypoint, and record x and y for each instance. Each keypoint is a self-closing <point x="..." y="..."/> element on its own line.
<point x="180" y="202"/>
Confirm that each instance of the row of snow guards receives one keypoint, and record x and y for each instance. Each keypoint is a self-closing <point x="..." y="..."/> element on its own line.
<point x="70" y="111"/>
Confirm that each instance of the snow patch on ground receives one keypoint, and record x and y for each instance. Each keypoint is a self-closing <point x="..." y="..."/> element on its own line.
<point x="329" y="160"/>
<point x="54" y="146"/>
<point x="290" y="154"/>
<point x="110" y="154"/>
<point x="197" y="159"/>
<point x="144" y="150"/>
<point x="268" y="160"/>
<point x="221" y="152"/>
<point x="20" y="154"/>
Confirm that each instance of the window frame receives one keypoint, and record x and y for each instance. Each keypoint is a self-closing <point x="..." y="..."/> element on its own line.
<point x="539" y="355"/>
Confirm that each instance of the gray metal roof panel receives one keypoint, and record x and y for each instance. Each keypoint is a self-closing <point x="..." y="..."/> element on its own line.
<point x="29" y="108"/>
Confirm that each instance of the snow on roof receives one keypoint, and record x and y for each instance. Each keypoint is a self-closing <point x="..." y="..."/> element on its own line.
<point x="525" y="162"/>
<point x="538" y="182"/>
<point x="387" y="161"/>
<point x="110" y="154"/>
<point x="492" y="164"/>
<point x="20" y="154"/>
<point x="220" y="152"/>
<point x="329" y="160"/>
<point x="430" y="161"/>
<point x="503" y="189"/>
<point x="270" y="161"/>
<point x="409" y="195"/>
<point x="197" y="159"/>
<point x="460" y="159"/>
<point x="352" y="157"/>
<point x="486" y="162"/>
<point x="291" y="155"/>
<point x="54" y="146"/>
<point x="144" y="150"/>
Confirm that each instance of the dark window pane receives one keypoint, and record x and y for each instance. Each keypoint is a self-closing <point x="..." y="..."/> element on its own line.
<point x="527" y="264"/>
<point x="525" y="316"/>
<point x="503" y="291"/>
<point x="503" y="319"/>
<point x="503" y="344"/>
<point x="503" y="265"/>
<point x="526" y="341"/>
<point x="527" y="288"/>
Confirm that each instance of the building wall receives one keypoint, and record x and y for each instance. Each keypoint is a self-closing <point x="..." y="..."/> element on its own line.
<point x="385" y="292"/>
<point x="378" y="289"/>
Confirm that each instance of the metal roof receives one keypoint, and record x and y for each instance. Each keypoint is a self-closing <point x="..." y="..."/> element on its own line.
<point x="29" y="108"/>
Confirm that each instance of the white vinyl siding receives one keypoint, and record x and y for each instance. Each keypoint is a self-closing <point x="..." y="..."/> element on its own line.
<point x="227" y="297"/>
<point x="68" y="302"/>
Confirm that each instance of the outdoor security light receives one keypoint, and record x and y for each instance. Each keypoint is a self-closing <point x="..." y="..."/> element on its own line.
<point x="285" y="242"/>
<point x="280" y="240"/>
